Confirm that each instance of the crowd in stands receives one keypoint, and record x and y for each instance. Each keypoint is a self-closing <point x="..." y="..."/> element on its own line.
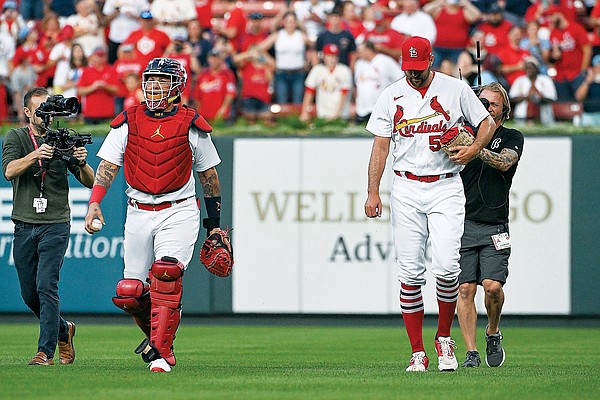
<point x="315" y="59"/>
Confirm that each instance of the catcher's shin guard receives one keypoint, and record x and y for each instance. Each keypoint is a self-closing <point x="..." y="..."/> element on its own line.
<point x="134" y="298"/>
<point x="165" y="294"/>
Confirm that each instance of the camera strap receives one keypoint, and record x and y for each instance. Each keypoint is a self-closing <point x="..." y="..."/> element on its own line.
<point x="43" y="171"/>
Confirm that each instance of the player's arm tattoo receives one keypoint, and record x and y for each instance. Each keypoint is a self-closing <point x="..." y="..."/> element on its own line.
<point x="106" y="173"/>
<point x="209" y="180"/>
<point x="501" y="161"/>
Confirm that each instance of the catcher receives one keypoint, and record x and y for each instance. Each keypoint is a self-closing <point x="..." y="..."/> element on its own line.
<point x="159" y="144"/>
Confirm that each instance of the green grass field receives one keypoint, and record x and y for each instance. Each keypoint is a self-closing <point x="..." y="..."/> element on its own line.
<point x="292" y="362"/>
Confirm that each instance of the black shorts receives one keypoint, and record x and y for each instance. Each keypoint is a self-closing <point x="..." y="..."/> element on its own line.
<point x="479" y="259"/>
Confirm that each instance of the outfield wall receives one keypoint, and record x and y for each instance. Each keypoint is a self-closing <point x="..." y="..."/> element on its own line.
<point x="303" y="244"/>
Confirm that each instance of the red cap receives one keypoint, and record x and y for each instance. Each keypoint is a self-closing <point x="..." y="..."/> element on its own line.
<point x="416" y="51"/>
<point x="331" y="49"/>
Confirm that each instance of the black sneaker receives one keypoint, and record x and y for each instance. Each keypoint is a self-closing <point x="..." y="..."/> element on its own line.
<point x="494" y="353"/>
<point x="472" y="360"/>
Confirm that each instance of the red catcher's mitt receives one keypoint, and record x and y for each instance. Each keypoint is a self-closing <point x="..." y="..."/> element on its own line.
<point x="217" y="253"/>
<point x="456" y="136"/>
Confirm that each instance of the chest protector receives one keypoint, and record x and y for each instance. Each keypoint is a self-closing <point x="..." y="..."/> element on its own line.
<point x="158" y="157"/>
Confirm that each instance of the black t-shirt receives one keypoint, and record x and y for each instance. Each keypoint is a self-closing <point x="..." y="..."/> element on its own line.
<point x="487" y="188"/>
<point x="343" y="40"/>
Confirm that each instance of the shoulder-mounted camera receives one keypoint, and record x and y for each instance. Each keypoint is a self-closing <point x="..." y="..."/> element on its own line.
<point x="64" y="140"/>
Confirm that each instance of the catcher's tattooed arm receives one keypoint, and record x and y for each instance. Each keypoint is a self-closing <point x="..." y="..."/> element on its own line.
<point x="209" y="180"/>
<point x="105" y="175"/>
<point x="501" y="161"/>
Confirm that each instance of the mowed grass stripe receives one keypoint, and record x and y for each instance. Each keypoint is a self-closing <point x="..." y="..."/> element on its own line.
<point x="250" y="362"/>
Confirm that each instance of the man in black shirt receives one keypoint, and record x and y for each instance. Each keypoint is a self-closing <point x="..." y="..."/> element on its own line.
<point x="42" y="219"/>
<point x="485" y="246"/>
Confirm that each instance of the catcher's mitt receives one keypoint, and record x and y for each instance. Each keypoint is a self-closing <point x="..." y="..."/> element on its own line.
<point x="217" y="253"/>
<point x="456" y="136"/>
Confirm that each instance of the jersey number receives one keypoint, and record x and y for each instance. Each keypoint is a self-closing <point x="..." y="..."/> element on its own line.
<point x="434" y="142"/>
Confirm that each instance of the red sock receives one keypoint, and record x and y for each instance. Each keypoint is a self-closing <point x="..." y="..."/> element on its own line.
<point x="447" y="294"/>
<point x="411" y="304"/>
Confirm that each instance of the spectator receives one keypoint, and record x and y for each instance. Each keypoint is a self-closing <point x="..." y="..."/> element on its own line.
<point x="539" y="10"/>
<point x="50" y="31"/>
<point x="201" y="43"/>
<point x="181" y="51"/>
<point x="134" y="94"/>
<point x="122" y="20"/>
<point x="68" y="75"/>
<point x="234" y="24"/>
<point x="290" y="45"/>
<point x="342" y="39"/>
<point x="98" y="87"/>
<point x="7" y="52"/>
<point x="205" y="14"/>
<point x="173" y="16"/>
<point x="330" y="83"/>
<point x="215" y="88"/>
<point x="127" y="63"/>
<point x="533" y="94"/>
<point x="373" y="72"/>
<point x="255" y="33"/>
<point x="60" y="56"/>
<point x="413" y="21"/>
<point x="495" y="29"/>
<point x="350" y="19"/>
<point x="512" y="56"/>
<point x="255" y="67"/>
<point x="11" y="21"/>
<point x="149" y="42"/>
<point x="594" y="23"/>
<point x="24" y="75"/>
<point x="453" y="19"/>
<point x="385" y="39"/>
<point x="467" y="60"/>
<point x="86" y="25"/>
<point x="312" y="15"/>
<point x="536" y="45"/>
<point x="588" y="92"/>
<point x="571" y="53"/>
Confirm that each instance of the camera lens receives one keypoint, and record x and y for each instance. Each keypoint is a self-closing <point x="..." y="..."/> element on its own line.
<point x="70" y="104"/>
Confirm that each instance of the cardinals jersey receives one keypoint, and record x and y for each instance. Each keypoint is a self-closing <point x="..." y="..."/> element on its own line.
<point x="416" y="123"/>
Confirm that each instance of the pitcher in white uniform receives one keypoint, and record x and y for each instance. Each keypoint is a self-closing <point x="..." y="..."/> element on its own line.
<point x="427" y="196"/>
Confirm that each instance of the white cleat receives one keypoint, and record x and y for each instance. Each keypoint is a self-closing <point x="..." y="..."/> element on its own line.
<point x="445" y="350"/>
<point x="418" y="362"/>
<point x="159" y="365"/>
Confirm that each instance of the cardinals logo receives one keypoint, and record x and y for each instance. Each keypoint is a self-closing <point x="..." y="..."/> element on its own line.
<point x="437" y="107"/>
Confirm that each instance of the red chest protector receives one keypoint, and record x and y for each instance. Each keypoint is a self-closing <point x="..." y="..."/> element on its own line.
<point x="158" y="157"/>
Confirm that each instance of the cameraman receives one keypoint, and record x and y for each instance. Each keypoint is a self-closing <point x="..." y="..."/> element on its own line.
<point x="42" y="218"/>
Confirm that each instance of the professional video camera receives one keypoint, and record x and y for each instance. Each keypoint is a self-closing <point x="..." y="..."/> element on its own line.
<point x="62" y="139"/>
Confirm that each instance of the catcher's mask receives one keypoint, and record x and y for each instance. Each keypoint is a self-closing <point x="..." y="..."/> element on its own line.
<point x="163" y="81"/>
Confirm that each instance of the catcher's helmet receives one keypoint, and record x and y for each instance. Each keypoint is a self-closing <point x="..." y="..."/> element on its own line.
<point x="156" y="97"/>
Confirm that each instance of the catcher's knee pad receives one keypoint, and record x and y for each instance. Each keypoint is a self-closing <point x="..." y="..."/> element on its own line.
<point x="165" y="294"/>
<point x="133" y="296"/>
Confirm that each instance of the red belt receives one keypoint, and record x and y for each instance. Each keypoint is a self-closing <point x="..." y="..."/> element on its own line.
<point x="154" y="207"/>
<point x="426" y="178"/>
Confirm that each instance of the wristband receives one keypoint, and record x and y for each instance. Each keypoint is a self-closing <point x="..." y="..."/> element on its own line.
<point x="98" y="193"/>
<point x="213" y="206"/>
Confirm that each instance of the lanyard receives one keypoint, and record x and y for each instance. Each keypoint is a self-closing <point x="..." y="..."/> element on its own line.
<point x="35" y="146"/>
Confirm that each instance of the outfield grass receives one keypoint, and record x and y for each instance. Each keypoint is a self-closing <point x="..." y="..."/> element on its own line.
<point x="249" y="362"/>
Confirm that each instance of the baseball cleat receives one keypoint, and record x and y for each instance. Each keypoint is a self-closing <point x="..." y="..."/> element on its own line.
<point x="494" y="353"/>
<point x="472" y="360"/>
<point x="418" y="362"/>
<point x="445" y="351"/>
<point x="159" y="365"/>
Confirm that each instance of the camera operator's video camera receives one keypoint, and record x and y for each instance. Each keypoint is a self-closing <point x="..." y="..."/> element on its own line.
<point x="64" y="140"/>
